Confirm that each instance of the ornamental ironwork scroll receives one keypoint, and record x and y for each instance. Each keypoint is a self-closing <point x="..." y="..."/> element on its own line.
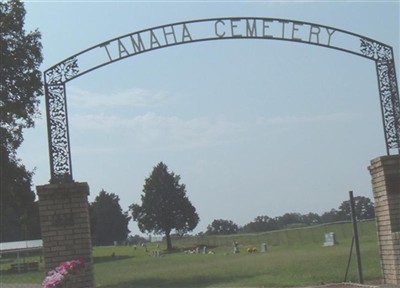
<point x="388" y="89"/>
<point x="193" y="31"/>
<point x="57" y="120"/>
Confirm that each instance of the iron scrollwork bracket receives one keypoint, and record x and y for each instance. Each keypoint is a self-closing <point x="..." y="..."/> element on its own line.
<point x="388" y="89"/>
<point x="62" y="72"/>
<point x="57" y="119"/>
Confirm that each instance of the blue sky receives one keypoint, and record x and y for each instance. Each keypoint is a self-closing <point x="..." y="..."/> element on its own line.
<point x="254" y="127"/>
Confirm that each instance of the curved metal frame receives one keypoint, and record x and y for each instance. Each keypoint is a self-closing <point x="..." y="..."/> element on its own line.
<point x="135" y="43"/>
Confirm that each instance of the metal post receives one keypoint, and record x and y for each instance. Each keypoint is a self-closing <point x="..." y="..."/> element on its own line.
<point x="349" y="261"/>
<point x="355" y="235"/>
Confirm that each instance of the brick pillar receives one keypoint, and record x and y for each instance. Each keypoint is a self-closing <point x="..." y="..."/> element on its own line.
<point x="64" y="219"/>
<point x="385" y="172"/>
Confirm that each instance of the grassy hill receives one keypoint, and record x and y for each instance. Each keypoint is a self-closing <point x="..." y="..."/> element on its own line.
<point x="295" y="257"/>
<point x="292" y="236"/>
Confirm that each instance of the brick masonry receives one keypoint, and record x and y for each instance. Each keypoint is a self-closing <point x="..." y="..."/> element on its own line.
<point x="385" y="173"/>
<point x="64" y="219"/>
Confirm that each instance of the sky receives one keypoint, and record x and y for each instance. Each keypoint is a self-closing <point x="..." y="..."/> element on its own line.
<point x="253" y="127"/>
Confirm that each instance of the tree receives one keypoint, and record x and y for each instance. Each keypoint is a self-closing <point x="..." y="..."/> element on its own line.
<point x="222" y="227"/>
<point x="108" y="222"/>
<point x="21" y="83"/>
<point x="364" y="208"/>
<point x="20" y="89"/>
<point x="331" y="216"/>
<point x="165" y="206"/>
<point x="261" y="224"/>
<point x="136" y="239"/>
<point x="17" y="198"/>
<point x="289" y="219"/>
<point x="311" y="218"/>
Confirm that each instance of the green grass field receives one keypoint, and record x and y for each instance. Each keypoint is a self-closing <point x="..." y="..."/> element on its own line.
<point x="294" y="258"/>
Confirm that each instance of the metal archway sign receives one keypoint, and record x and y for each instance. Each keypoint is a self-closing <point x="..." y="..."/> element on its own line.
<point x="135" y="43"/>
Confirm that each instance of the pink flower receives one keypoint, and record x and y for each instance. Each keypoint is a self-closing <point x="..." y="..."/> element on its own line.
<point x="71" y="265"/>
<point x="53" y="280"/>
<point x="58" y="275"/>
<point x="62" y="270"/>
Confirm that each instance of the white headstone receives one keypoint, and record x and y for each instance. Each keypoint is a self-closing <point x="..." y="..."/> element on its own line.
<point x="330" y="239"/>
<point x="263" y="247"/>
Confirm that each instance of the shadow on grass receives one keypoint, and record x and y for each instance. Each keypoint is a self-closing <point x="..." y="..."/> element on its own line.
<point x="104" y="259"/>
<point x="196" y="281"/>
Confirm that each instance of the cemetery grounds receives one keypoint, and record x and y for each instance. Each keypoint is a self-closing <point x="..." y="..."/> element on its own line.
<point x="294" y="257"/>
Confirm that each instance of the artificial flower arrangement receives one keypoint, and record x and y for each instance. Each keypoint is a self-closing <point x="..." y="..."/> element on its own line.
<point x="58" y="276"/>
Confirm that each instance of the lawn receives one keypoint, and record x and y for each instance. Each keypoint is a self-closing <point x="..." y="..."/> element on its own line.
<point x="294" y="257"/>
<point x="280" y="266"/>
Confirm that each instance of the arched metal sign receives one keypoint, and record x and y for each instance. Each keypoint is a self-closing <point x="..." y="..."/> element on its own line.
<point x="135" y="43"/>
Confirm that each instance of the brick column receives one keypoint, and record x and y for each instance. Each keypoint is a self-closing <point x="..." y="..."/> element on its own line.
<point x="64" y="219"/>
<point x="385" y="172"/>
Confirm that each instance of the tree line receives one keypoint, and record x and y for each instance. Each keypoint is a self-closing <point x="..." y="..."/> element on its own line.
<point x="165" y="208"/>
<point x="364" y="209"/>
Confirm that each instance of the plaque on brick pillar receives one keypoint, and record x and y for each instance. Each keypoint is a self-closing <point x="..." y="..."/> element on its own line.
<point x="64" y="218"/>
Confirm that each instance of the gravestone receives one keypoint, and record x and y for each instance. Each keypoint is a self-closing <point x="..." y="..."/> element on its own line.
<point x="330" y="239"/>
<point x="263" y="247"/>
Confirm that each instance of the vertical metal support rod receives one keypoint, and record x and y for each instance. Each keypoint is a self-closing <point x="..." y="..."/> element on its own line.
<point x="349" y="260"/>
<point x="355" y="235"/>
<point x="68" y="178"/>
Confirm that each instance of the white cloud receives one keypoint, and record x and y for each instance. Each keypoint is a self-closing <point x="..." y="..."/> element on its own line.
<point x="295" y="119"/>
<point x="170" y="133"/>
<point x="165" y="132"/>
<point x="174" y="133"/>
<point x="134" y="97"/>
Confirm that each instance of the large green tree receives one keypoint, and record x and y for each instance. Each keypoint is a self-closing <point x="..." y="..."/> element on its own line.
<point x="18" y="211"/>
<point x="21" y="83"/>
<point x="20" y="89"/>
<point x="165" y="206"/>
<point x="108" y="222"/>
